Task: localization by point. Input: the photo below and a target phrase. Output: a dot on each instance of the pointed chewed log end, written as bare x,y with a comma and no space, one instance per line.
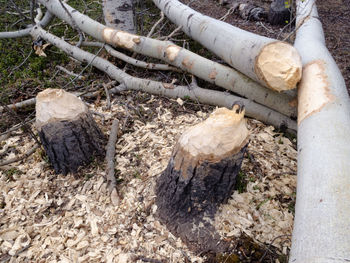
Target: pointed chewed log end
201,175
68,133
279,66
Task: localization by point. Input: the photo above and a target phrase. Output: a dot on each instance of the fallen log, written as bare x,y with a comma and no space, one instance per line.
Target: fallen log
67,131
212,97
190,62
201,175
321,228
272,63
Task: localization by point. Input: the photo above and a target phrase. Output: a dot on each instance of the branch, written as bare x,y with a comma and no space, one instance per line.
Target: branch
110,155
19,158
186,60
25,32
203,95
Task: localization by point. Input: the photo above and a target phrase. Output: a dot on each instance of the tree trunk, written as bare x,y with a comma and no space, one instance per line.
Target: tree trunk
279,13
272,63
67,130
119,14
322,216
201,175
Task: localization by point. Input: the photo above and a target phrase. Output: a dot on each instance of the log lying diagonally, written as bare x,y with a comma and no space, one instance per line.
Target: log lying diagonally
322,220
211,97
272,63
205,69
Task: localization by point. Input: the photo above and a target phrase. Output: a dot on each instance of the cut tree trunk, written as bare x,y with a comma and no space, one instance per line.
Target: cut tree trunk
69,134
119,14
272,63
212,97
182,58
322,213
279,13
201,175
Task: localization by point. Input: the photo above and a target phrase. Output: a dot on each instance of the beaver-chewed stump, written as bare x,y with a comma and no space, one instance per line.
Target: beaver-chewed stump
201,175
69,134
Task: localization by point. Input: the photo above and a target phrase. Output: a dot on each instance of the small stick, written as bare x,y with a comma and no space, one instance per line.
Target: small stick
19,158
110,156
108,97
156,24
70,73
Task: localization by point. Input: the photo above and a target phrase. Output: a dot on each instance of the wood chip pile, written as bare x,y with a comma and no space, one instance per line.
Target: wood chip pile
53,218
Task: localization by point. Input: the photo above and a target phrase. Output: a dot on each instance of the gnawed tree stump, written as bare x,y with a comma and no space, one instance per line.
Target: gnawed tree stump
201,174
67,131
280,12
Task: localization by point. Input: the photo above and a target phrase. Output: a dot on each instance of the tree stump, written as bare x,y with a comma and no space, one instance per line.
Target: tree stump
280,12
201,175
67,131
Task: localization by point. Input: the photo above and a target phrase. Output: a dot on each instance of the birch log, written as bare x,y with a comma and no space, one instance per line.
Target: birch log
322,220
272,63
206,96
119,14
203,68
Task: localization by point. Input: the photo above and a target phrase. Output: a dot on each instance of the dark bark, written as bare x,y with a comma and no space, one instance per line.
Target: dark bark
188,197
70,144
280,12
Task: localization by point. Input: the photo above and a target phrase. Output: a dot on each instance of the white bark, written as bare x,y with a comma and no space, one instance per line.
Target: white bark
322,221
25,32
212,97
272,63
203,68
119,14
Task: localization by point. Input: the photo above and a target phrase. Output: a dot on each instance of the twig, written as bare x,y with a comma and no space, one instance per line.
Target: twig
74,25
108,97
70,73
81,72
16,127
23,62
32,6
150,33
131,60
229,12
268,248
171,34
24,125
18,10
19,158
110,156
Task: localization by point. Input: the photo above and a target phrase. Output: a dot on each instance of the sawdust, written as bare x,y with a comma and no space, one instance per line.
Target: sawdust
54,218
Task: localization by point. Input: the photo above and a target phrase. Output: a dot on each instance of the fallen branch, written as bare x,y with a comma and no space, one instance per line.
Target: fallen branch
110,157
19,158
130,60
206,96
272,63
190,62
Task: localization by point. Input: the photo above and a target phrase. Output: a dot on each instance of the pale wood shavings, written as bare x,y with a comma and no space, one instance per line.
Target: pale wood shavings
73,219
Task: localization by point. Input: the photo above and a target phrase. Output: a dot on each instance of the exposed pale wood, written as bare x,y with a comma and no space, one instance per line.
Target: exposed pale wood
321,228
201,175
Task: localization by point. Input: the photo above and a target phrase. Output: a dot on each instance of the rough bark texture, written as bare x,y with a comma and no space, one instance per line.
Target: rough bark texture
70,144
119,14
201,175
187,206
279,13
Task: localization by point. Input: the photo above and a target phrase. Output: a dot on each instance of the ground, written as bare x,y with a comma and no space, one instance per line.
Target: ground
54,218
